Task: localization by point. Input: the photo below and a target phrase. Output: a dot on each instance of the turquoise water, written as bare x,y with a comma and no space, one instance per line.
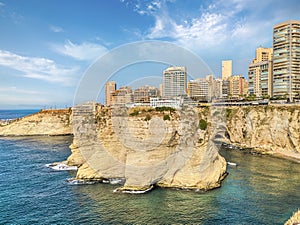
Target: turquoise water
261,190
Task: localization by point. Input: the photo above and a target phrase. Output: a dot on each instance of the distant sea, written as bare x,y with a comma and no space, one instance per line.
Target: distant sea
12,114
260,190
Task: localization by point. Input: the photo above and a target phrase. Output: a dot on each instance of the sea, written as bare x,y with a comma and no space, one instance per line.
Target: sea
260,190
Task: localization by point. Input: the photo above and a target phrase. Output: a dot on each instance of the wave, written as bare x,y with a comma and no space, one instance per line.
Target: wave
61,167
74,181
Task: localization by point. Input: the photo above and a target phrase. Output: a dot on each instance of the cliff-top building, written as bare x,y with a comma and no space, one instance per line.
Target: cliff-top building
143,94
286,59
122,96
110,87
260,73
238,86
174,81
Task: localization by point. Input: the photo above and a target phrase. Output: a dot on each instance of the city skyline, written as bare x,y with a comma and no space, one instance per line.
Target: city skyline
47,46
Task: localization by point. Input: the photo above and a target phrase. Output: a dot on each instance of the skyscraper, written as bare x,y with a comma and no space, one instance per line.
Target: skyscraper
174,81
226,69
286,59
260,73
110,88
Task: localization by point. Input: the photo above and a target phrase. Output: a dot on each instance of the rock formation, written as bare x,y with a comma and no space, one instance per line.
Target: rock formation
294,220
146,147
266,129
45,122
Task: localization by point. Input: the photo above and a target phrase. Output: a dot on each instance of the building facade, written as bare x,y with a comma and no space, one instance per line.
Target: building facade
260,73
174,82
143,94
198,89
226,69
110,87
286,59
122,96
238,86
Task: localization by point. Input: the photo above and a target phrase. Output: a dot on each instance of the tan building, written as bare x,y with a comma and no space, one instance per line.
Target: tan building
260,73
263,54
226,69
238,86
143,94
122,96
198,89
110,87
286,59
202,89
174,81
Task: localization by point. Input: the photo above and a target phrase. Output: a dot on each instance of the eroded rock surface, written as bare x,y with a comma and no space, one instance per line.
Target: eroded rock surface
147,148
267,129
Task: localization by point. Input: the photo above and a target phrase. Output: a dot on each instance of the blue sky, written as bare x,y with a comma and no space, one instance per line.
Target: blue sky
46,46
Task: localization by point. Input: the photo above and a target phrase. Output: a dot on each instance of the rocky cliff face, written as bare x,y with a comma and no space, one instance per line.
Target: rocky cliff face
267,129
146,147
45,122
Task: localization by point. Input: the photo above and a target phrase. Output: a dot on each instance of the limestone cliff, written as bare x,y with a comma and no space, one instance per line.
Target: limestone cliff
45,122
266,129
147,147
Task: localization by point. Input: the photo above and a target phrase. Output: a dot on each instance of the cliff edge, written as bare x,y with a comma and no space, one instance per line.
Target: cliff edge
268,129
45,122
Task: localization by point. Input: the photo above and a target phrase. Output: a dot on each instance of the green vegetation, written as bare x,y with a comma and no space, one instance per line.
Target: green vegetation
202,124
228,113
134,113
150,110
164,108
148,117
200,140
167,117
251,97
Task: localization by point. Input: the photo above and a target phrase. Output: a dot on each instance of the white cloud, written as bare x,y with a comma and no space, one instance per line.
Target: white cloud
37,68
206,30
86,51
56,29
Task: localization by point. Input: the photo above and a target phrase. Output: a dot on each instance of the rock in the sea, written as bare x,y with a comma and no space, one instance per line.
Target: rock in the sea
147,149
294,220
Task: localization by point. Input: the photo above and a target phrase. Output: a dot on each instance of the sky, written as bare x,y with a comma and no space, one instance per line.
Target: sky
47,46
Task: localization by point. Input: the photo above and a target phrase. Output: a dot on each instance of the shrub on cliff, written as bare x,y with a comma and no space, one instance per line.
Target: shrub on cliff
134,113
164,108
202,124
167,117
148,117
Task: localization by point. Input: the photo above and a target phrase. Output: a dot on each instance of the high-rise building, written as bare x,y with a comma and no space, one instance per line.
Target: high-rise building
110,88
218,88
286,59
238,86
226,69
198,89
260,73
174,81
